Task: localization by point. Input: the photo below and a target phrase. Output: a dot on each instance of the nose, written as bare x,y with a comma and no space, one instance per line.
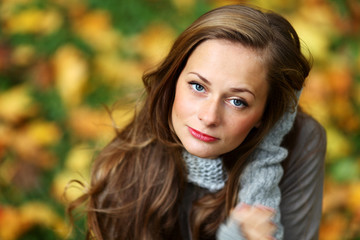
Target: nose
210,112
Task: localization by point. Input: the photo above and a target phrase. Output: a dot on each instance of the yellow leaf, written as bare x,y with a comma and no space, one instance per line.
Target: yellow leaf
276,5
338,145
116,71
79,159
95,28
42,214
34,21
38,212
220,3
155,43
71,74
184,5
15,3
314,36
63,190
16,104
68,3
51,22
319,110
43,133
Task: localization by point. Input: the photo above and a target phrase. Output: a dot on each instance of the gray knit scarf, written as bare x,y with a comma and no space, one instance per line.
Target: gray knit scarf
205,172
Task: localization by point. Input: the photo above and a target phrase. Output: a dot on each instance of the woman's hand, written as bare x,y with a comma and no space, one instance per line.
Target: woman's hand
255,221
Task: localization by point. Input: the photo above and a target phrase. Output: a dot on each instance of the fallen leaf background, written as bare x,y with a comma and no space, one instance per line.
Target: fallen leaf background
63,61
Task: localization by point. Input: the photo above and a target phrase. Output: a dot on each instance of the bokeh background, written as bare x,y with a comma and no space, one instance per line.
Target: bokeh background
65,63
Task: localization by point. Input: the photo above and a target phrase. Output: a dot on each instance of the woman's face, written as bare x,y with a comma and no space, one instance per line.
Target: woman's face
220,96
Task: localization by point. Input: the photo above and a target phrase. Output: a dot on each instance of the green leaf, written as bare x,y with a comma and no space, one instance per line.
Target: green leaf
344,170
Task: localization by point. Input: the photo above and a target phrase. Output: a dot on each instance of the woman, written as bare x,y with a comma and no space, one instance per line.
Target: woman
202,157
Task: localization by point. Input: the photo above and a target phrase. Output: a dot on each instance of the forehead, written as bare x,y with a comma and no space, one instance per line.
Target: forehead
259,52
228,59
213,48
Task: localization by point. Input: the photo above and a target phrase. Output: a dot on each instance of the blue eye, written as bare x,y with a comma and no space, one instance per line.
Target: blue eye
238,103
197,87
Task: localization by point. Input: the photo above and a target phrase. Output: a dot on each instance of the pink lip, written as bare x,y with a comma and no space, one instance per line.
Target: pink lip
202,136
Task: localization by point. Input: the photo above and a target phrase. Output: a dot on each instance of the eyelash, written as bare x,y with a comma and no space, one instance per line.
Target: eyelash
243,103
194,85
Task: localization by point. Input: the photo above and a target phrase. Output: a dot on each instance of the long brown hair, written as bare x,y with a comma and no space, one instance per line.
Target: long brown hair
138,179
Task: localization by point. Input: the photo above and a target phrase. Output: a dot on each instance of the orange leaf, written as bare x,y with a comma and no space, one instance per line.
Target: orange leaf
96,124
353,200
333,227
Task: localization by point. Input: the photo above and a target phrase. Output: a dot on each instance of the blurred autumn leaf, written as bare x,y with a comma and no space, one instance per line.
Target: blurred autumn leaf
62,61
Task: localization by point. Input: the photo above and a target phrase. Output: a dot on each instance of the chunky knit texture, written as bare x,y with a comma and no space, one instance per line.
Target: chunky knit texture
204,172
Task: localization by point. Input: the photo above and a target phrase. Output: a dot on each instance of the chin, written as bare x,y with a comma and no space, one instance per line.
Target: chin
202,153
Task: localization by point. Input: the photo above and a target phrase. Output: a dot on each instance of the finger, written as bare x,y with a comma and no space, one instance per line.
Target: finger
242,206
260,226
255,214
241,212
266,208
269,210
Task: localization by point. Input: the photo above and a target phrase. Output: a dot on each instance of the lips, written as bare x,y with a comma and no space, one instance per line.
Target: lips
202,136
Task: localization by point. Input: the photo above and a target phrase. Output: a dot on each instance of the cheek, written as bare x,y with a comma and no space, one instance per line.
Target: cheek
183,106
177,107
240,128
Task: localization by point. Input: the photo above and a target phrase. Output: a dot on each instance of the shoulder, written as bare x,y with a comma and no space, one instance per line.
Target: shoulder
306,134
307,125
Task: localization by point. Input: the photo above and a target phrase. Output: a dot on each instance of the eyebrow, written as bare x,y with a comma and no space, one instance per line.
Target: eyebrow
202,78
231,89
242,90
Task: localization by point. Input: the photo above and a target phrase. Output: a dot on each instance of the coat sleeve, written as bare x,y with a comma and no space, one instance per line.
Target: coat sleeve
302,183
